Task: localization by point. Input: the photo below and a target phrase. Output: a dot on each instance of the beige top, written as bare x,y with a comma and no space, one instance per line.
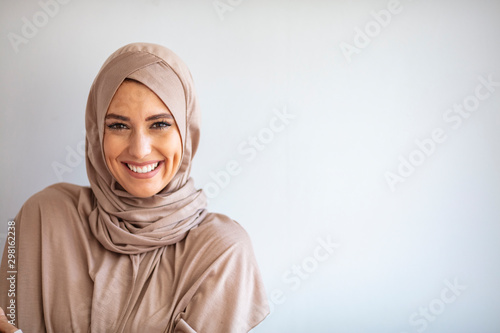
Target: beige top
100,260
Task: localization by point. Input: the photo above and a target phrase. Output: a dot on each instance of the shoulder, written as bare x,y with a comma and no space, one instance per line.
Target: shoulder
219,234
55,197
222,229
59,191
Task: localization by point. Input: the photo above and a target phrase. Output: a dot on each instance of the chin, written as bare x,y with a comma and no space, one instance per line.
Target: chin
141,191
144,188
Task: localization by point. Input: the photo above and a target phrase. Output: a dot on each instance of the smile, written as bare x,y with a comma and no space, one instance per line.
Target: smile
142,169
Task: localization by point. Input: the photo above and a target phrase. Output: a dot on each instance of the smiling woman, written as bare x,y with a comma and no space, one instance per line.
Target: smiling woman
142,143
137,251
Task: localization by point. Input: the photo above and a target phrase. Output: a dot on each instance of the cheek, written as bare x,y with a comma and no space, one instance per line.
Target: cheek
178,146
172,145
111,148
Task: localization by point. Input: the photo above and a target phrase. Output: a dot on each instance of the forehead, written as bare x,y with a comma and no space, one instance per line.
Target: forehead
132,95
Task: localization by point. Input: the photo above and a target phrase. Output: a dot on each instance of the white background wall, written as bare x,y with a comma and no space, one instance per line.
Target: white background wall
322,178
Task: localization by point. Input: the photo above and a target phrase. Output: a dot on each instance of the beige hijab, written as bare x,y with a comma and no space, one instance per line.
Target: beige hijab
121,222
100,260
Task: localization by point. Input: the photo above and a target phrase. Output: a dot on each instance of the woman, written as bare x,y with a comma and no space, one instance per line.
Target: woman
137,251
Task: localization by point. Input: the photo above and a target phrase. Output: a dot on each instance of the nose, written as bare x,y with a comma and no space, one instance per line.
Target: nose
139,145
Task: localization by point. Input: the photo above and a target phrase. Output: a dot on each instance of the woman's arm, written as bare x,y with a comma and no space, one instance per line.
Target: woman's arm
229,296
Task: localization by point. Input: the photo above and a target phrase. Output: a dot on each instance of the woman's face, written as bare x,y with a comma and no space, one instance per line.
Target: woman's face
142,144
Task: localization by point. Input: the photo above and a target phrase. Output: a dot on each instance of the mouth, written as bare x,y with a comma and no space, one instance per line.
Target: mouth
142,169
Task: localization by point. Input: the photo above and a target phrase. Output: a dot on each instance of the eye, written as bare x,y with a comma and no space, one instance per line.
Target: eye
117,126
161,125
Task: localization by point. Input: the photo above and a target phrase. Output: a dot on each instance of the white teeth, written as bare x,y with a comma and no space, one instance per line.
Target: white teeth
144,169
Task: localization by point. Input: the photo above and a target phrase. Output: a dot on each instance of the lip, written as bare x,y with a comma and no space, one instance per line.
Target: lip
146,175
143,163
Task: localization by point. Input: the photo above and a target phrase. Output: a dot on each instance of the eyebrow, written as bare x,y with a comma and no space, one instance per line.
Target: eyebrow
159,116
155,117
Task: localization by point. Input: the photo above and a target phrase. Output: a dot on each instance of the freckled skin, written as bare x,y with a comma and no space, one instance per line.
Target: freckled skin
138,140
